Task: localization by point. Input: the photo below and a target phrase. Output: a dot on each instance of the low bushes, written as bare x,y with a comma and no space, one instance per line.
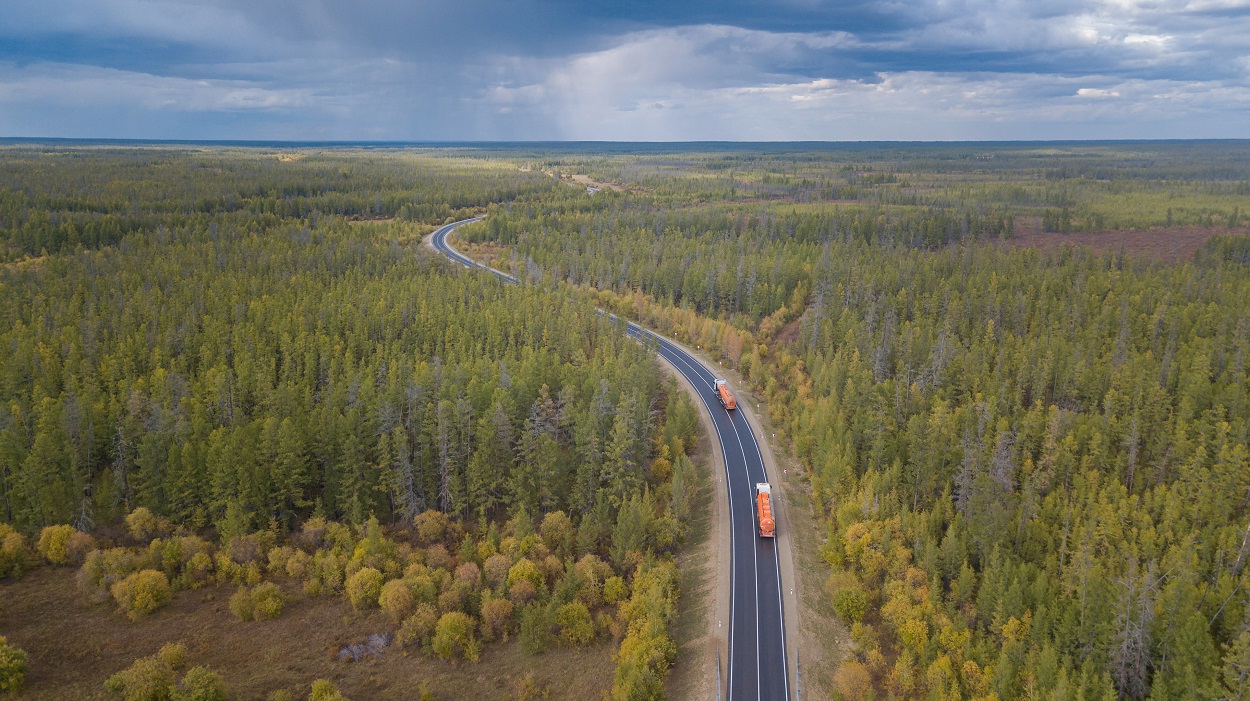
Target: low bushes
647,650
364,588
142,593
53,543
851,603
324,690
263,602
396,600
13,665
155,678
454,638
14,560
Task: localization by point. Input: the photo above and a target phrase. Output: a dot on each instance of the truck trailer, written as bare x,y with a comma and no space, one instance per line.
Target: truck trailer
764,510
724,395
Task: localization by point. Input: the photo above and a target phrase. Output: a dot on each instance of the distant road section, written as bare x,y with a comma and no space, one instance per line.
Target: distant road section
756,665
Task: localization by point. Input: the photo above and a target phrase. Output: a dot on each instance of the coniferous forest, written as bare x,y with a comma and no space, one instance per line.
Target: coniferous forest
265,352
1027,460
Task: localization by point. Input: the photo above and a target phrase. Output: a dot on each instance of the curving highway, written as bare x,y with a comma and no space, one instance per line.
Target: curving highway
756,665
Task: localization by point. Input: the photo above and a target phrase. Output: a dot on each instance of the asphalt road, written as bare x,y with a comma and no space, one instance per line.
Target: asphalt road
757,667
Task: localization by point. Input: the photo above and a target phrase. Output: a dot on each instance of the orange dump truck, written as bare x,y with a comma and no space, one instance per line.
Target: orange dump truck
764,510
724,395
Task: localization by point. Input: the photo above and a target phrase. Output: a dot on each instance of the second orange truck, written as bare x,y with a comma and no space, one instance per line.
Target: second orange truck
764,510
724,395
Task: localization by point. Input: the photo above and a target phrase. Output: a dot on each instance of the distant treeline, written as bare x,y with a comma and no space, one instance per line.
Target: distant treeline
56,200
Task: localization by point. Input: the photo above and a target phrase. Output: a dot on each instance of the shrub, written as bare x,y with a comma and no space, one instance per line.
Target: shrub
364,588
853,681
13,560
53,543
242,605
396,600
496,618
575,625
142,524
173,654
418,627
102,569
311,536
148,679
13,665
339,539
201,684
142,593
323,690
78,546
374,550
154,679
251,548
197,571
326,573
531,689
262,603
227,570
269,601
278,559
851,603
297,565
453,637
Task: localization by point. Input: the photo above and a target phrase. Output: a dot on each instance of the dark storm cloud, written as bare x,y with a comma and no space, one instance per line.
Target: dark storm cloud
797,69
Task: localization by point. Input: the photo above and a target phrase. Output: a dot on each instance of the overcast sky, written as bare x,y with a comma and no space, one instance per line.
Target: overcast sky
598,70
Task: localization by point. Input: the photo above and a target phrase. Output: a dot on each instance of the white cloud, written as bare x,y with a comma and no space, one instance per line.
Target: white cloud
674,85
418,69
1148,40
1096,93
1216,5
64,85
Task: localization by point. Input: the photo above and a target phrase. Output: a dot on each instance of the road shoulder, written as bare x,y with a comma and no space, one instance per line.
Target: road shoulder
703,617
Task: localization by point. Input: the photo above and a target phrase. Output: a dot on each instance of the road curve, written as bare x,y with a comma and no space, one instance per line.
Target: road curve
757,663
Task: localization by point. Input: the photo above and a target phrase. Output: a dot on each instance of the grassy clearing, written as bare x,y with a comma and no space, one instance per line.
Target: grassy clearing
74,646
